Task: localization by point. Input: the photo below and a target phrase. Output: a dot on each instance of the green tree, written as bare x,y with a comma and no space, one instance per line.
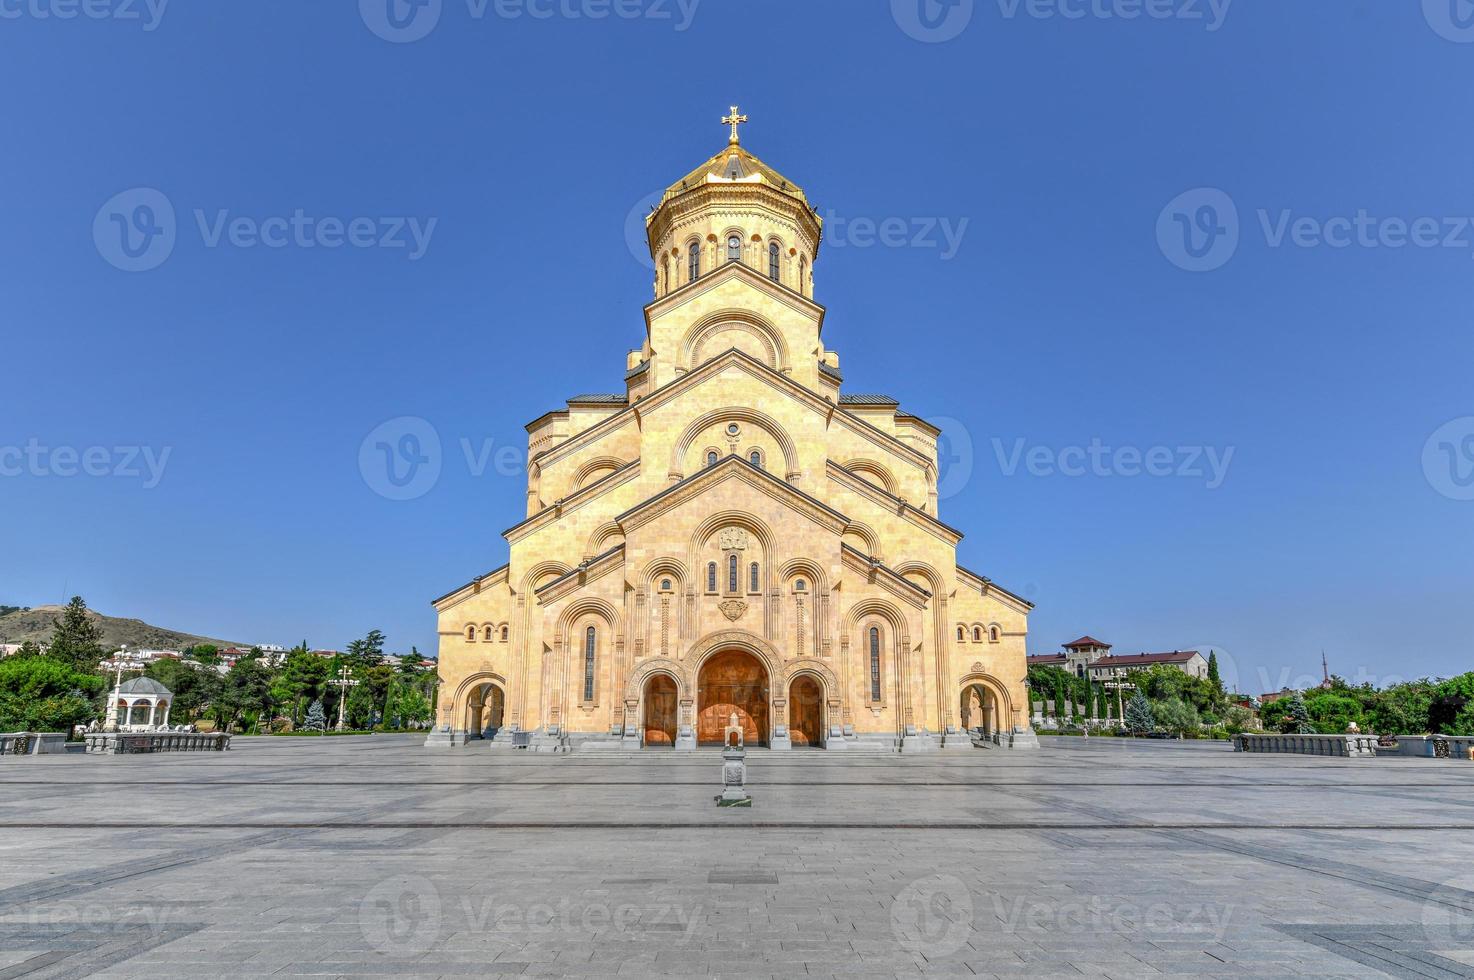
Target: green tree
1237,719
1139,720
76,639
413,706
1332,712
1402,709
46,694
316,720
1296,720
194,687
1176,716
360,707
1213,677
205,653
369,651
247,690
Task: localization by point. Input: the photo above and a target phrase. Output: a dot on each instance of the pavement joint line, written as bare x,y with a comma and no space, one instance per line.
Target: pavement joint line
753,824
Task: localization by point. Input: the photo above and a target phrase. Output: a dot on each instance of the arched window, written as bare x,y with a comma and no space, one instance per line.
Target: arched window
665,585
800,585
803,274
588,664
977,634
961,634
711,576
753,585
756,459
693,262
711,458
665,274
734,248
773,261
470,634
874,664
486,633
504,634
993,633
731,573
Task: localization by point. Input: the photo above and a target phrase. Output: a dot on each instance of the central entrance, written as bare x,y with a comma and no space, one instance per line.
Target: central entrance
732,681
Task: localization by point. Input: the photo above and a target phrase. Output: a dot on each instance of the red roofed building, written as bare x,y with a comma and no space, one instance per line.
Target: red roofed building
1089,657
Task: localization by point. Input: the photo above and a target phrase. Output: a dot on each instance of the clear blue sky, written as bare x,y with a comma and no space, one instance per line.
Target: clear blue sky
1062,317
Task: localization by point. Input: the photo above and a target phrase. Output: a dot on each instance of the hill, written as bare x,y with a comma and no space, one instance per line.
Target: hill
20,625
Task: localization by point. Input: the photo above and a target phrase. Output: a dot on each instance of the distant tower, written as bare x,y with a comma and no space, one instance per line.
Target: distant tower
1325,672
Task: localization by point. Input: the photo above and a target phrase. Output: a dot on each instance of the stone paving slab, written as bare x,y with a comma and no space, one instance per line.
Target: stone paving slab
378,857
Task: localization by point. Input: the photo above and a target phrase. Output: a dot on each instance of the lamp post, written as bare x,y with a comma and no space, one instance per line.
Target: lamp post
343,683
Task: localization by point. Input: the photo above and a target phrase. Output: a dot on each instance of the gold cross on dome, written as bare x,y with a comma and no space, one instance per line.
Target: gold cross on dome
734,120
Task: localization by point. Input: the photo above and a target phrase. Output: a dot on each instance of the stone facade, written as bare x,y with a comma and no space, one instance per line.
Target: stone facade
732,533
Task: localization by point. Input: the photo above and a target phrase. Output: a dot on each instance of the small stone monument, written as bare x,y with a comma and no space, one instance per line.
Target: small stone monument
734,767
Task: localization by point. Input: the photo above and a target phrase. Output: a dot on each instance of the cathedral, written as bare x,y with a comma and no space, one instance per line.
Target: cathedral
733,533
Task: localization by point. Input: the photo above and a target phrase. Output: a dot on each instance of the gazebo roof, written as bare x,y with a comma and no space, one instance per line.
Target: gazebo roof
145,685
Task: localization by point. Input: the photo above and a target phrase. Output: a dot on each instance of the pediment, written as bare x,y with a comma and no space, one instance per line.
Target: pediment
760,484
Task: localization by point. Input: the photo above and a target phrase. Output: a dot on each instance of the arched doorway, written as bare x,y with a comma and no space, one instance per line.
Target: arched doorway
805,712
979,710
660,711
732,682
485,706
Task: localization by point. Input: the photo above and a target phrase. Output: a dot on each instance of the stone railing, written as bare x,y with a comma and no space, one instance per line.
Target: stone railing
32,743
1343,746
1435,746
129,743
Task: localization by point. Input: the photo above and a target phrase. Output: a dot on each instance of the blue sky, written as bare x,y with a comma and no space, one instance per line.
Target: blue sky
1060,315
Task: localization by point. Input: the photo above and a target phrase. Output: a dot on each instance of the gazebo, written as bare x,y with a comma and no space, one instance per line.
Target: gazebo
139,705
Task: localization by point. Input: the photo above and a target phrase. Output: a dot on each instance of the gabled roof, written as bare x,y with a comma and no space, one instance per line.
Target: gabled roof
1087,641
862,399
610,399
1045,660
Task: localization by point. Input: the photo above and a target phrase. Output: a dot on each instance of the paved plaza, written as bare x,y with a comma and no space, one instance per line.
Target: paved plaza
375,856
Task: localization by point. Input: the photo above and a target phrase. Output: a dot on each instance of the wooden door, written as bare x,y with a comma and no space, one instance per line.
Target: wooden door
805,712
732,682
660,711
